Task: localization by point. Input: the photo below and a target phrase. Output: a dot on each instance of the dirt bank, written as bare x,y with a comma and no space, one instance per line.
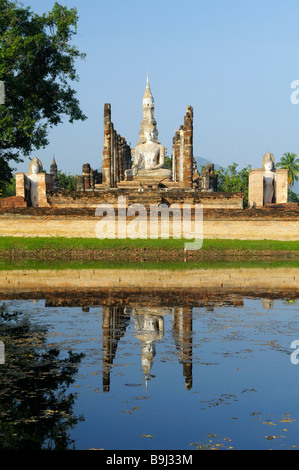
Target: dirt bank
147,255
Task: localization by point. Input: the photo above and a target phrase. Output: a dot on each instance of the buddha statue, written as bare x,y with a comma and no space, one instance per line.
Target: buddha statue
269,177
149,157
35,167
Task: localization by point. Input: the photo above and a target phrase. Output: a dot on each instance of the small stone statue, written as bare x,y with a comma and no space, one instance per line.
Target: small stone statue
269,178
208,179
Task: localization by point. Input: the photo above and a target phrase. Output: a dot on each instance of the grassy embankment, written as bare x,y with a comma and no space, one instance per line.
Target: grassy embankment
76,253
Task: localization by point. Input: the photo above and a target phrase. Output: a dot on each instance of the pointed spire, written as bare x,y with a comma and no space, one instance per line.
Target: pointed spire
148,93
53,161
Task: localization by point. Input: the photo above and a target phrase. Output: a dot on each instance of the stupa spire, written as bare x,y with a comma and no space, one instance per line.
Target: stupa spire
148,110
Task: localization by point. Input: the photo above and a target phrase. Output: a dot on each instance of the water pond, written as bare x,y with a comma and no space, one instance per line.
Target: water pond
217,375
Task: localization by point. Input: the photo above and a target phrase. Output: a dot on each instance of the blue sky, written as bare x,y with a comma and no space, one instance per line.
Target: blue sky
232,60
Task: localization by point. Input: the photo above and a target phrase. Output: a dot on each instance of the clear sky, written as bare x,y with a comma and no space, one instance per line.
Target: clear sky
232,60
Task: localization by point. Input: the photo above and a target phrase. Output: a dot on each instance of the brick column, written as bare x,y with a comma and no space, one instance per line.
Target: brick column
281,187
80,183
20,184
256,188
188,148
106,164
42,190
86,175
175,157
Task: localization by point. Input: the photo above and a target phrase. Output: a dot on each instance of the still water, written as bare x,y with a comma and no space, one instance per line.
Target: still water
221,375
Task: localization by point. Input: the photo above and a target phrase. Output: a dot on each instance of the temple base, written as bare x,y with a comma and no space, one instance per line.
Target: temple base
149,179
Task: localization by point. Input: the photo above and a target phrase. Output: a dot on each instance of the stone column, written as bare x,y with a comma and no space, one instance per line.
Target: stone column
106,164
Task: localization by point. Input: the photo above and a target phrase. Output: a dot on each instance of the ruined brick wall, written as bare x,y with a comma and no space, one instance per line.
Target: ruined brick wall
92,199
116,153
13,201
182,152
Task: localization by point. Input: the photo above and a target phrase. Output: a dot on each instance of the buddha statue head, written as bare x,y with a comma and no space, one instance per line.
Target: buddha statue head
268,162
35,166
150,134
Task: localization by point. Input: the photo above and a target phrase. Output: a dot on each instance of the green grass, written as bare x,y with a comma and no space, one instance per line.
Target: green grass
60,243
6,265
45,243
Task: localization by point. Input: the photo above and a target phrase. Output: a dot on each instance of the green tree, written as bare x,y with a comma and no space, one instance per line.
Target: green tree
67,182
231,180
37,65
290,162
168,162
293,197
9,188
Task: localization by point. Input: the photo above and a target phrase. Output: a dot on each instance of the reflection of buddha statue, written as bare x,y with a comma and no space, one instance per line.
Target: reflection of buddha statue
269,178
149,329
268,304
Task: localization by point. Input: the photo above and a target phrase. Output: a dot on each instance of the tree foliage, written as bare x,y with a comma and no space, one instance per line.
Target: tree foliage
231,180
67,182
290,162
37,65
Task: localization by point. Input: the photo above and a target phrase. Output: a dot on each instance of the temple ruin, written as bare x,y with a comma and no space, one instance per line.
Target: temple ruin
142,175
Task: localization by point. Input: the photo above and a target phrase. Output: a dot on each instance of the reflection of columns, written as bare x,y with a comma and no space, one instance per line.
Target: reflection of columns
114,325
182,332
268,304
